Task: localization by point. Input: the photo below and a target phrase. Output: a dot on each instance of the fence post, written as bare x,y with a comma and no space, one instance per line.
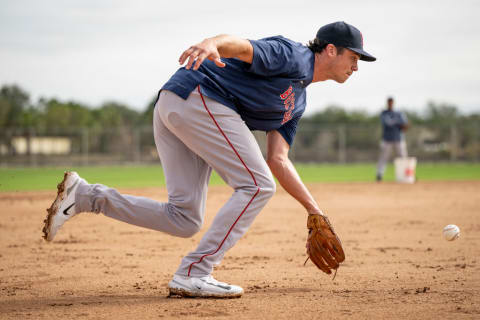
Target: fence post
85,146
453,142
30,152
342,144
136,145
477,141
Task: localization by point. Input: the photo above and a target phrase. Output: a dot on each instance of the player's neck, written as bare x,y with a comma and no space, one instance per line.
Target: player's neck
320,69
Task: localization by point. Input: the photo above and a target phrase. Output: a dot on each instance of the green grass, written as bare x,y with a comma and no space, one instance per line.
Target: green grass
366,172
30,179
24,179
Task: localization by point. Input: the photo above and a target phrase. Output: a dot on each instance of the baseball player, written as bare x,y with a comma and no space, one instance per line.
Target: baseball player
394,123
202,121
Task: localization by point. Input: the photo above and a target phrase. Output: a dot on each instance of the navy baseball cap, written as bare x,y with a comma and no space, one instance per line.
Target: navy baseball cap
342,34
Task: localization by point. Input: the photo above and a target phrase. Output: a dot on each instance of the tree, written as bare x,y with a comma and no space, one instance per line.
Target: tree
112,114
13,101
146,117
441,114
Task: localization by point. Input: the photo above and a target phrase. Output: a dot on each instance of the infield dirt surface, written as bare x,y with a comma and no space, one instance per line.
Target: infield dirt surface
397,263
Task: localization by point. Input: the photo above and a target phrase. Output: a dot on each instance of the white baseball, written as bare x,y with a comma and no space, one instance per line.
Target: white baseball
451,232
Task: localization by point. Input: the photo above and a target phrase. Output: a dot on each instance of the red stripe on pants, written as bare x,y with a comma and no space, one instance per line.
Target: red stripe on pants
251,174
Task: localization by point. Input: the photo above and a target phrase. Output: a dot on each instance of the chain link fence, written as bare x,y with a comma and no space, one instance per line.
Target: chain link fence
334,144
346,144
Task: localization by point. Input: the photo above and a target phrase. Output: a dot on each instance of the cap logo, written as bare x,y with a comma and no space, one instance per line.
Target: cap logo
361,36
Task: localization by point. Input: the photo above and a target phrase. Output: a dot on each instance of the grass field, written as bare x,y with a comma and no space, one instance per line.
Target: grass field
30,179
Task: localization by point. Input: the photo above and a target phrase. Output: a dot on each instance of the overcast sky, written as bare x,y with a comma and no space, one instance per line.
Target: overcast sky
92,51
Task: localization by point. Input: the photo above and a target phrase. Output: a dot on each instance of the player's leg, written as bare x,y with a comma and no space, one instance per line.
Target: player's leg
186,176
385,150
401,148
221,138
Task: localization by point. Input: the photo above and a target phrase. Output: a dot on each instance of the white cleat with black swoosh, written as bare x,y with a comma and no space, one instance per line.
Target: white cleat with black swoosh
63,208
205,287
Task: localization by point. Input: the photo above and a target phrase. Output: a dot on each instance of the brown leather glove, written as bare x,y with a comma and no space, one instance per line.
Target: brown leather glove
323,245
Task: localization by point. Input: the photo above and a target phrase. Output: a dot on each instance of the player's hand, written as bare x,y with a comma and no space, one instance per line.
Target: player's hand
323,245
207,49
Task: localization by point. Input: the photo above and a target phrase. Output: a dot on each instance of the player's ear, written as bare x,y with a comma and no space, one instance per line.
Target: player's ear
331,50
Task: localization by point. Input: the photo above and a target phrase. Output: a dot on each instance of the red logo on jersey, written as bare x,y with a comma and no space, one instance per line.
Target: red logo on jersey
288,98
286,93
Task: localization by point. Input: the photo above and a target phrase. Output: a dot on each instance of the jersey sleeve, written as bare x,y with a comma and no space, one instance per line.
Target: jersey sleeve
278,56
387,120
289,129
403,118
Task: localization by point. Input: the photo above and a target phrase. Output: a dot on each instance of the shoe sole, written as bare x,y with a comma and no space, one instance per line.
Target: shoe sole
187,294
54,208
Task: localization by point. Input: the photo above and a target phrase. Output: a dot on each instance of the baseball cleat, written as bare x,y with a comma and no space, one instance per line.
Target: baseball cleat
63,208
205,287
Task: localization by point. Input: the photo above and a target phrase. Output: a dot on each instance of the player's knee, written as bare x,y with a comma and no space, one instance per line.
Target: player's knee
186,220
268,187
189,230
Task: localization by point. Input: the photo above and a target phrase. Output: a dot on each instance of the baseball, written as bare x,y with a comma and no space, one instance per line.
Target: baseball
451,232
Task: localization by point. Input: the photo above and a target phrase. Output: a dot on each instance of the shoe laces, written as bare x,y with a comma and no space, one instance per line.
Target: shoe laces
212,280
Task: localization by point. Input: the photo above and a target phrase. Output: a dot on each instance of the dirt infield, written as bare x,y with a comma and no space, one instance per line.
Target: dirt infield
397,264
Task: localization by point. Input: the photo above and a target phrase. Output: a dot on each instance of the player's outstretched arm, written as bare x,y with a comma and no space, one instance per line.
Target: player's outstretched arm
323,245
225,46
285,172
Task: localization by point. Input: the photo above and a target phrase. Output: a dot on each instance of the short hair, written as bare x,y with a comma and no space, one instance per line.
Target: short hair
316,46
390,99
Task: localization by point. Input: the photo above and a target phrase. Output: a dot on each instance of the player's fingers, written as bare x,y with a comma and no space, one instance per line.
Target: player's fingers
191,59
215,57
199,61
185,55
219,62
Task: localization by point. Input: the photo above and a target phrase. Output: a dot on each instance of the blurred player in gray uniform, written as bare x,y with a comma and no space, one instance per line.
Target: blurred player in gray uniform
394,123
202,122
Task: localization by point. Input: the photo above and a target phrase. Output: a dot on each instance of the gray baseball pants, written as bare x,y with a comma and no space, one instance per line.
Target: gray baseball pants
385,152
193,137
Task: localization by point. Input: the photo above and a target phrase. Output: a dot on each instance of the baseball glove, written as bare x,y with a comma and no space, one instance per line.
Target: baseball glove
323,245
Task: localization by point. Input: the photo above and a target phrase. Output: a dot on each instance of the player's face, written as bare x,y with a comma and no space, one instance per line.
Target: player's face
390,104
344,65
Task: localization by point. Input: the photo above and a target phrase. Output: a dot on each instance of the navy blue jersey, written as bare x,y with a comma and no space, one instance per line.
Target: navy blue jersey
392,122
269,94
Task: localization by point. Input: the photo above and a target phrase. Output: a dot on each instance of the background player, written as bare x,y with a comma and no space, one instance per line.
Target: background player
202,121
394,123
